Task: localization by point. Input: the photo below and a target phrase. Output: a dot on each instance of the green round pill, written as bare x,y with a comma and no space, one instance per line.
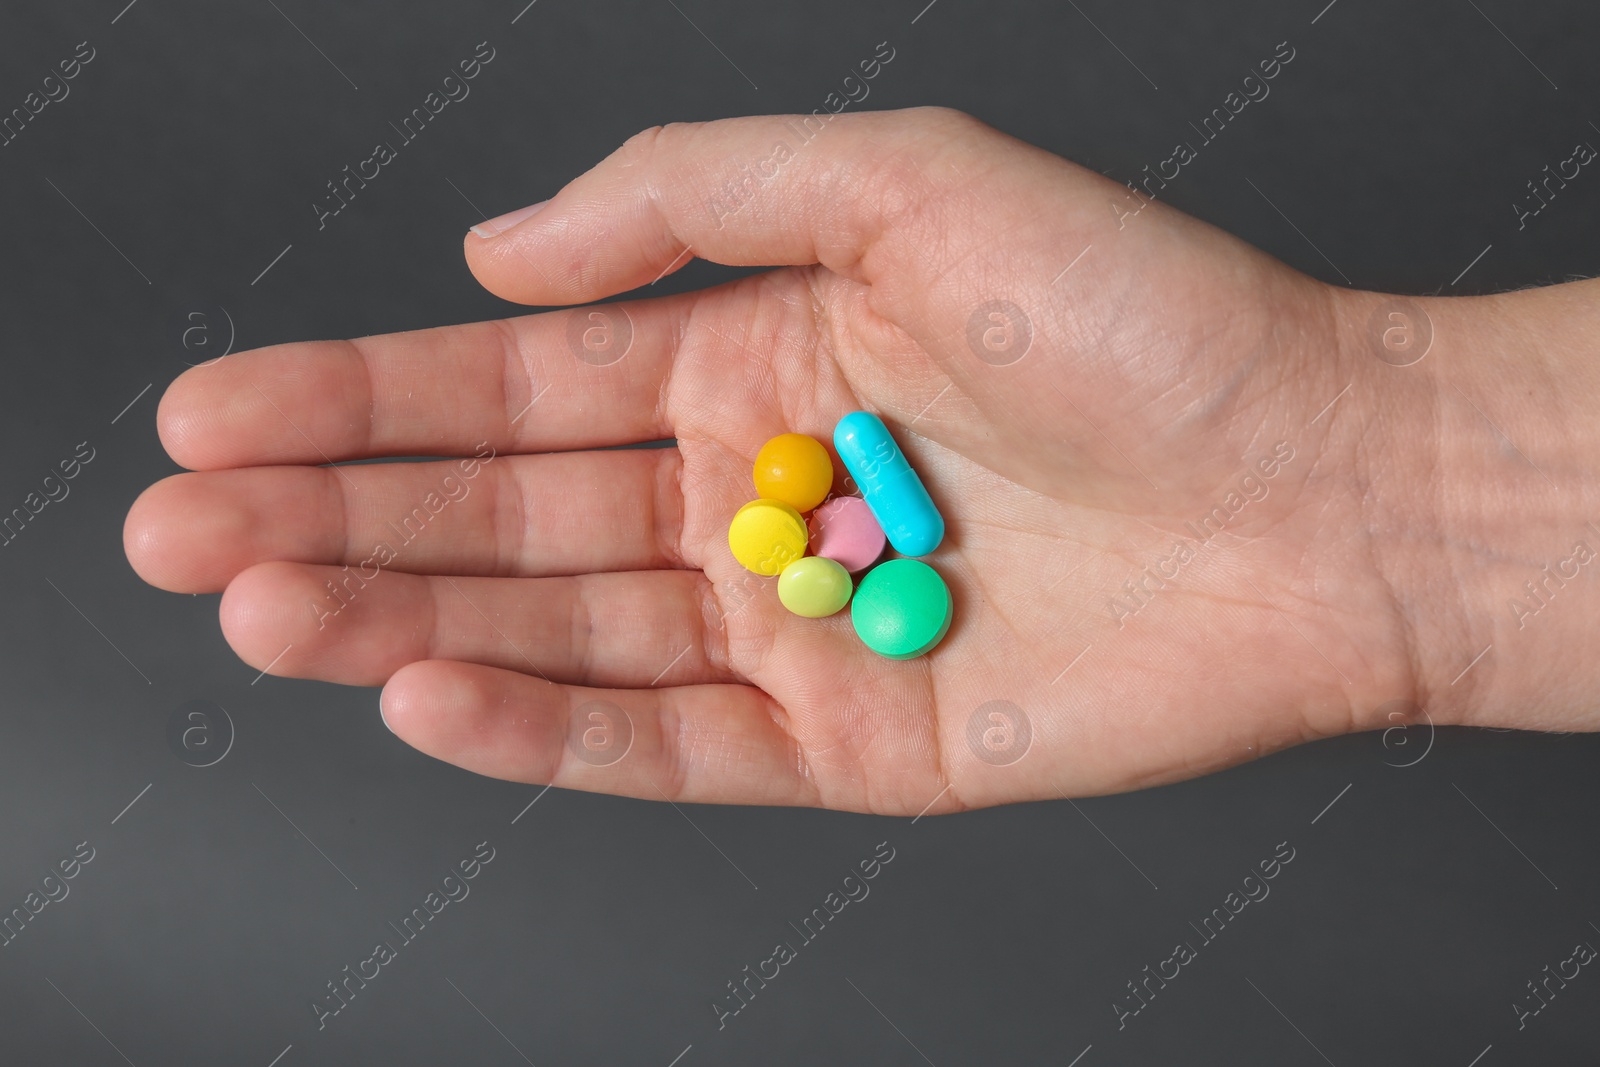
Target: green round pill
901,608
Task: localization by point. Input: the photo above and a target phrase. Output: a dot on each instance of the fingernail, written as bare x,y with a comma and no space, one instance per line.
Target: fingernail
384,717
501,223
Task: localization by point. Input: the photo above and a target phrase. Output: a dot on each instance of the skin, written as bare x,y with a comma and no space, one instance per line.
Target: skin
1168,362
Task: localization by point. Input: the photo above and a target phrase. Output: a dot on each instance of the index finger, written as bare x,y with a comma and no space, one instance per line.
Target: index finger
581,378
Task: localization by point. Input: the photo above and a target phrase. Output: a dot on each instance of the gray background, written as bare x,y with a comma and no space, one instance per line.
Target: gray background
186,158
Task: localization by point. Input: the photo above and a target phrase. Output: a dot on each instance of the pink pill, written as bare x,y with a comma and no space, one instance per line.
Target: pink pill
844,531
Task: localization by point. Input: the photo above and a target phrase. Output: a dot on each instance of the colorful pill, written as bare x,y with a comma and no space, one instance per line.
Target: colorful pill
901,609
795,469
888,484
814,587
766,536
844,530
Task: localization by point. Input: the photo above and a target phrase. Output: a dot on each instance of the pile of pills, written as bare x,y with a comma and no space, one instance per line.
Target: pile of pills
901,607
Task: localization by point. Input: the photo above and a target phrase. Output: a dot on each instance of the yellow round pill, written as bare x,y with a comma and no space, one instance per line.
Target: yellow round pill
795,469
814,586
767,535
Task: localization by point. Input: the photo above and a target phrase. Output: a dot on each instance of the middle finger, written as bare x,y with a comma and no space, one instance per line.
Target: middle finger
519,516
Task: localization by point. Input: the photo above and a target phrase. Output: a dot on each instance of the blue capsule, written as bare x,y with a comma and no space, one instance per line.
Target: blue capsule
890,487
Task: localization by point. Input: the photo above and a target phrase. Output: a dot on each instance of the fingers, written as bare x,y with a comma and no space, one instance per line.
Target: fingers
638,628
698,743
749,191
568,513
538,383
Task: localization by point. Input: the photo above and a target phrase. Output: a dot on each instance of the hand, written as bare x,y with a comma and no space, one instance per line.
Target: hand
1166,549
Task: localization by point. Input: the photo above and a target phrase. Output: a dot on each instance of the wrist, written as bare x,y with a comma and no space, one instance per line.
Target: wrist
1479,452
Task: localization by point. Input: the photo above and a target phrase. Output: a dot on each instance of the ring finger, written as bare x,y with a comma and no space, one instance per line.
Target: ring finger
622,630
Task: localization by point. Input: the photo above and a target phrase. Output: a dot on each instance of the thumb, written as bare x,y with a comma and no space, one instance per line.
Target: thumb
857,193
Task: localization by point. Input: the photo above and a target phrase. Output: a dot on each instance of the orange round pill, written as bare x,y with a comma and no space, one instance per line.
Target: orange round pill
795,469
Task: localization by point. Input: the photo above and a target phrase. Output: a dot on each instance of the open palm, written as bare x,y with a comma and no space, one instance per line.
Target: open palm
1123,414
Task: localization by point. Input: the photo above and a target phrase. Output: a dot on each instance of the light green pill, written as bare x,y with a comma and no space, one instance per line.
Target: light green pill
901,608
814,586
